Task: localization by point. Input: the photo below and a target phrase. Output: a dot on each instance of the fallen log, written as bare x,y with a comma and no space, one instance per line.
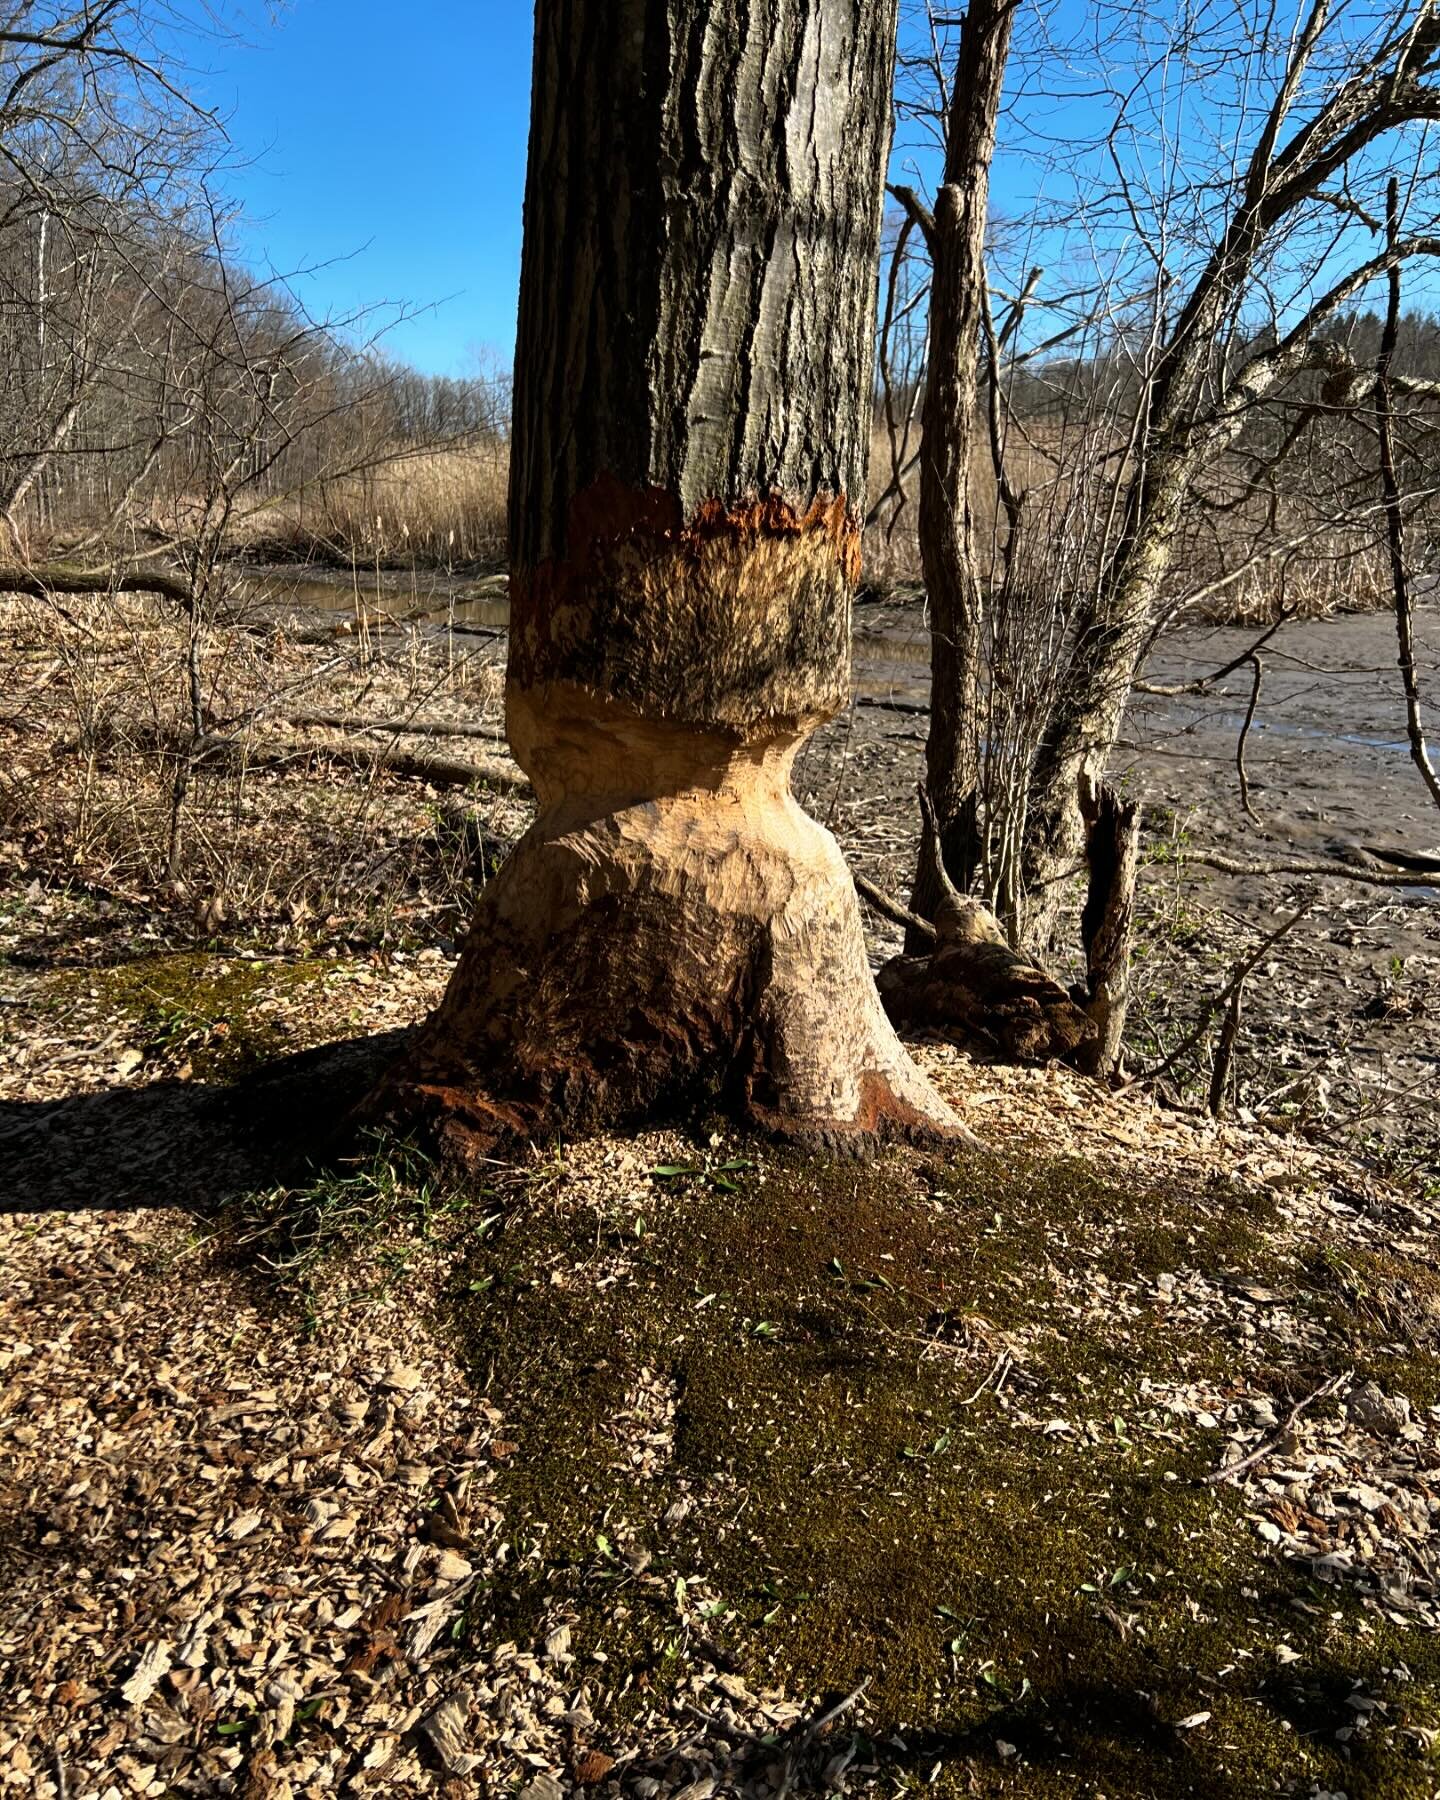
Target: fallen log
343,721
439,771
43,580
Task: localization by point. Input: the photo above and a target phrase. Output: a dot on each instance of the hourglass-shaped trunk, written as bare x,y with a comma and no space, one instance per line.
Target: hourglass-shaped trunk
692,412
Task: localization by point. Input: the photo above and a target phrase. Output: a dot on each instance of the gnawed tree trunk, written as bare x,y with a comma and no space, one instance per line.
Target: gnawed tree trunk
692,411
949,553
1107,922
973,986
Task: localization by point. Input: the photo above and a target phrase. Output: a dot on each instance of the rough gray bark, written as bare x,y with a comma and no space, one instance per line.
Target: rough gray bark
1112,639
955,236
693,396
693,368
1106,924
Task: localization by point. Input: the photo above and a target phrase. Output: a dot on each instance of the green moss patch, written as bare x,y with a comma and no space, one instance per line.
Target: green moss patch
895,1425
220,1015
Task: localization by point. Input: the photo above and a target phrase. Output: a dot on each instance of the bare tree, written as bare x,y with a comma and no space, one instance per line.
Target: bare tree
1248,271
954,234
1214,238
100,151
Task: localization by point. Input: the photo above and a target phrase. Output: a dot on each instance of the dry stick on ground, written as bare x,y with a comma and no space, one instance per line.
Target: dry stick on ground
916,708
224,729
892,909
1203,683
1229,865
1227,993
443,771
812,1731
1250,811
342,721
1394,516
1232,1471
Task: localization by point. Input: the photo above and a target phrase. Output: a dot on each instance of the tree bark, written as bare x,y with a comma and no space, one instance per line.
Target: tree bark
692,412
1111,642
1395,511
951,417
1107,923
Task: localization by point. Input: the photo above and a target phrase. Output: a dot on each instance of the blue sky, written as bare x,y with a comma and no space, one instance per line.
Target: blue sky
390,161
393,138
387,154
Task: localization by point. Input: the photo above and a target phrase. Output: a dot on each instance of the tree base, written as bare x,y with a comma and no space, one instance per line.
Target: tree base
638,956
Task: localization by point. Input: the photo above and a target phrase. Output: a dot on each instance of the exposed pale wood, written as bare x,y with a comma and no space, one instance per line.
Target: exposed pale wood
671,902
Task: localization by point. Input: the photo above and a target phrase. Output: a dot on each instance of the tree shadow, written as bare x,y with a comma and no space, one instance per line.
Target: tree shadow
186,1144
1121,1742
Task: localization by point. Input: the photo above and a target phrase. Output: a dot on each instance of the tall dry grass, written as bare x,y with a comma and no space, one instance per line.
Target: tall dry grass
437,509
1295,553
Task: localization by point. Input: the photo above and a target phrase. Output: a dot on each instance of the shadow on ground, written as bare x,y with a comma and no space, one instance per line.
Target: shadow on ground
185,1144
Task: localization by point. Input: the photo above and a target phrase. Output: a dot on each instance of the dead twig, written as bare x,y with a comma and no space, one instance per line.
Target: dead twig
1229,865
1232,1471
1203,683
806,1737
998,1370
440,771
1228,992
892,909
1259,667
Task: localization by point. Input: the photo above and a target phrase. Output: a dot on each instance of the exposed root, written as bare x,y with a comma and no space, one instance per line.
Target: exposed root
972,985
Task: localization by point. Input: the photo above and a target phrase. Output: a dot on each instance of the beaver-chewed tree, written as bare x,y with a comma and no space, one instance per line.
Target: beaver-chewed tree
692,410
